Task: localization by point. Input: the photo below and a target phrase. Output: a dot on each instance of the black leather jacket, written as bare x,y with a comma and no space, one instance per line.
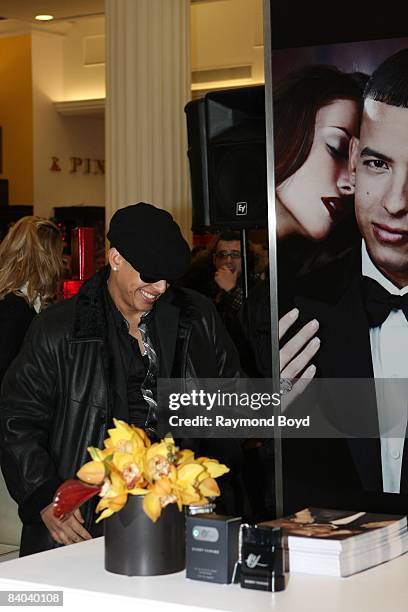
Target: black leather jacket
56,395
15,318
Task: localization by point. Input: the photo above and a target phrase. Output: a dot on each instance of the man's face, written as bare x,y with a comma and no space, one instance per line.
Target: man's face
228,254
379,167
130,292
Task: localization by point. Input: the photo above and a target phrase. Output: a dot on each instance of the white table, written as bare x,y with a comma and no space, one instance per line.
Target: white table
79,571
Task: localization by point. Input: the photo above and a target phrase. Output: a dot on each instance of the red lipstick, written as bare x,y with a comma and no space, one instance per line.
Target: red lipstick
335,206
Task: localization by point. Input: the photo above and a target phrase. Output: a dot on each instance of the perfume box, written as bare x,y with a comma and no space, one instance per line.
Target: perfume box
264,558
211,547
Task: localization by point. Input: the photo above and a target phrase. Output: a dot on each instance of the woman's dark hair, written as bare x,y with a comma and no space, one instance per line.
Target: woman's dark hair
297,99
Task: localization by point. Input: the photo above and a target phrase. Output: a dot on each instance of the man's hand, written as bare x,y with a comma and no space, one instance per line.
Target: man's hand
68,530
225,278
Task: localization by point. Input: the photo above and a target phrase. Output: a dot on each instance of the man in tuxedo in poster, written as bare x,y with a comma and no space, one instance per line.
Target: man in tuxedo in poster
361,303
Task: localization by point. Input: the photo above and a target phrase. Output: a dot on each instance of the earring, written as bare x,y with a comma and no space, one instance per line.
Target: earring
115,269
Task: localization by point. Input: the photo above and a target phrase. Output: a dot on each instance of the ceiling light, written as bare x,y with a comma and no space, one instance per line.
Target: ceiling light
44,17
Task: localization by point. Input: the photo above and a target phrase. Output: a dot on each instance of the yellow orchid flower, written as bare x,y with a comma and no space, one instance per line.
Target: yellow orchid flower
122,426
138,491
113,494
113,485
92,472
160,495
98,454
139,435
110,505
209,488
131,465
213,467
185,485
121,430
186,495
167,448
152,506
158,448
125,438
142,435
157,461
172,449
184,456
165,492
189,472
119,443
121,460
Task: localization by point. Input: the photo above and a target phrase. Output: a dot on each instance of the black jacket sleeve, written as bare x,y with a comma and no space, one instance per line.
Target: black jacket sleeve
15,318
210,339
26,413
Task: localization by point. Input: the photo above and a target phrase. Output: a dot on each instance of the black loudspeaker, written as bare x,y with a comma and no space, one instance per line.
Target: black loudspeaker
227,154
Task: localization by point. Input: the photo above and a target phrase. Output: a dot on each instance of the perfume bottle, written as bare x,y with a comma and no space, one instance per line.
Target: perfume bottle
264,558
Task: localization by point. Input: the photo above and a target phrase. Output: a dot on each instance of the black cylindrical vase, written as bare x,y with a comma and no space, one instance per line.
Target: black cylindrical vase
135,546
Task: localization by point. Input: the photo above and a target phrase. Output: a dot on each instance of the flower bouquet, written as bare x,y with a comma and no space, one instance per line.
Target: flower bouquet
143,488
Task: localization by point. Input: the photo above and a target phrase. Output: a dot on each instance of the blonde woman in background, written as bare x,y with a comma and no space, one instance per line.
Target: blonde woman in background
30,268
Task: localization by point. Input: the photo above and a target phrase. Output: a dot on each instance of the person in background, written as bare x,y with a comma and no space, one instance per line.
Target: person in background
227,260
216,270
30,269
217,273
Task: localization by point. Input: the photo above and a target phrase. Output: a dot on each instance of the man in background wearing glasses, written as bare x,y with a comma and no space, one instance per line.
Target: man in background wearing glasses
227,277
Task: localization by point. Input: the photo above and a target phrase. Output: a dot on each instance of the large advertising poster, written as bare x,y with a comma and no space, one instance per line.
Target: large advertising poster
340,115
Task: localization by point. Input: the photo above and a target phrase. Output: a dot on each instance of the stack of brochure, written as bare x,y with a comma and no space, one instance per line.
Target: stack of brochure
341,542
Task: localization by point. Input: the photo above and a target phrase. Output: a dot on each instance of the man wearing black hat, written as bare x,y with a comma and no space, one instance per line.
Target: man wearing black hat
98,356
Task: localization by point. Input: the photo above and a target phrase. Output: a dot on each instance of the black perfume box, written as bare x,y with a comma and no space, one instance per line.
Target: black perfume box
264,558
211,547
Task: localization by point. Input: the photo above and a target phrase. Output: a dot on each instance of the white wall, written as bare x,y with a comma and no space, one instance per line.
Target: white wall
61,136
84,59
69,64
226,36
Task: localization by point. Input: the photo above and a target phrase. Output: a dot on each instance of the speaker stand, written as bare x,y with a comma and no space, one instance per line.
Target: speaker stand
244,259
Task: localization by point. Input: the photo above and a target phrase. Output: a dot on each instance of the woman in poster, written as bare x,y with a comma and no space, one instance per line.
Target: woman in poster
316,112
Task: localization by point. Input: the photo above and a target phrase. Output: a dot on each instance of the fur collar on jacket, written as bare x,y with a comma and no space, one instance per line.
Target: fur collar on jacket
90,316
89,313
